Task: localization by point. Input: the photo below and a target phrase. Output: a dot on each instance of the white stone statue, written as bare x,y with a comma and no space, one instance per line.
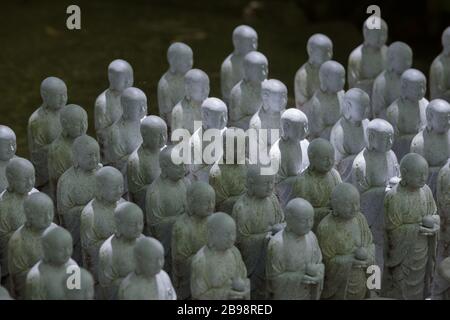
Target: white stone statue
440,71
8,147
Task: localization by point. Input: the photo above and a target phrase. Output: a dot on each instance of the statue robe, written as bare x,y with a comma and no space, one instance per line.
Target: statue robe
386,88
231,72
170,92
305,84
59,160
245,100
3,180
325,112
440,78
135,287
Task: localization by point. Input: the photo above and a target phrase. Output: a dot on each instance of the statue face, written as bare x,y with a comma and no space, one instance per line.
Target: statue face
197,90
173,171
244,45
301,223
88,158
203,206
294,130
380,141
440,122
131,228
8,148
222,238
58,252
150,263
113,192
75,129
181,60
332,77
354,110
319,54
261,186
23,182
55,99
40,219
120,79
322,160
213,118
256,72
154,138
346,207
413,90
274,101
399,60
416,177
375,37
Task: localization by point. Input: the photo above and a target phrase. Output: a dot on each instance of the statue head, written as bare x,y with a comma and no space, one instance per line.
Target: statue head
134,104
331,76
54,93
214,113
319,48
154,132
120,75
234,137
113,179
399,57
129,220
86,290
299,215
345,201
169,169
245,39
356,105
258,185
85,153
39,211
380,135
413,85
413,171
221,231
438,116
375,38
274,95
294,125
8,145
148,256
74,121
321,155
201,199
20,175
196,85
255,67
446,41
57,246
180,58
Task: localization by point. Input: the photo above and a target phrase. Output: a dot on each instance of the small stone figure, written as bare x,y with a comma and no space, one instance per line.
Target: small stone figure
348,135
188,110
8,149
148,281
294,262
245,97
440,70
44,127
346,243
86,289
116,255
412,227
143,164
258,214
407,113
25,245
171,84
320,50
218,272
386,87
76,187
245,40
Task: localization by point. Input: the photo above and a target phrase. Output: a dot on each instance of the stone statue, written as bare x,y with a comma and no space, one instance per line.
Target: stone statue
412,228
443,270
189,235
44,126
76,187
294,265
116,255
245,40
45,280
374,169
21,176
440,70
218,271
171,84
320,50
147,281
143,164
4,294
245,97
407,113
347,247
386,87
8,149
25,245
108,108
348,135
188,110
324,109
86,289
74,123
316,183
258,215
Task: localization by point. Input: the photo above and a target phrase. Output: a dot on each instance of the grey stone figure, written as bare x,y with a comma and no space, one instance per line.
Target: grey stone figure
386,87
440,70
85,291
258,215
433,142
108,108
116,255
44,127
76,187
171,84
347,247
218,271
143,164
188,110
412,229
8,147
374,169
245,97
407,113
348,135
324,109
46,279
25,245
245,40
74,123
189,235
320,50
148,281
4,294
294,265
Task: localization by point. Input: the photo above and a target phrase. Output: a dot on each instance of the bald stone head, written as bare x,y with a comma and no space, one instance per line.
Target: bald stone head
180,58
149,257
399,57
86,289
438,116
294,125
345,201
201,199
57,246
129,221
20,175
321,155
331,77
299,215
274,95
320,49
446,41
259,185
221,231
86,153
245,39
414,171
74,121
214,114
120,75
39,211
375,38
154,132
356,105
134,104
256,67
113,179
380,135
8,145
196,85
169,168
413,85
54,93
